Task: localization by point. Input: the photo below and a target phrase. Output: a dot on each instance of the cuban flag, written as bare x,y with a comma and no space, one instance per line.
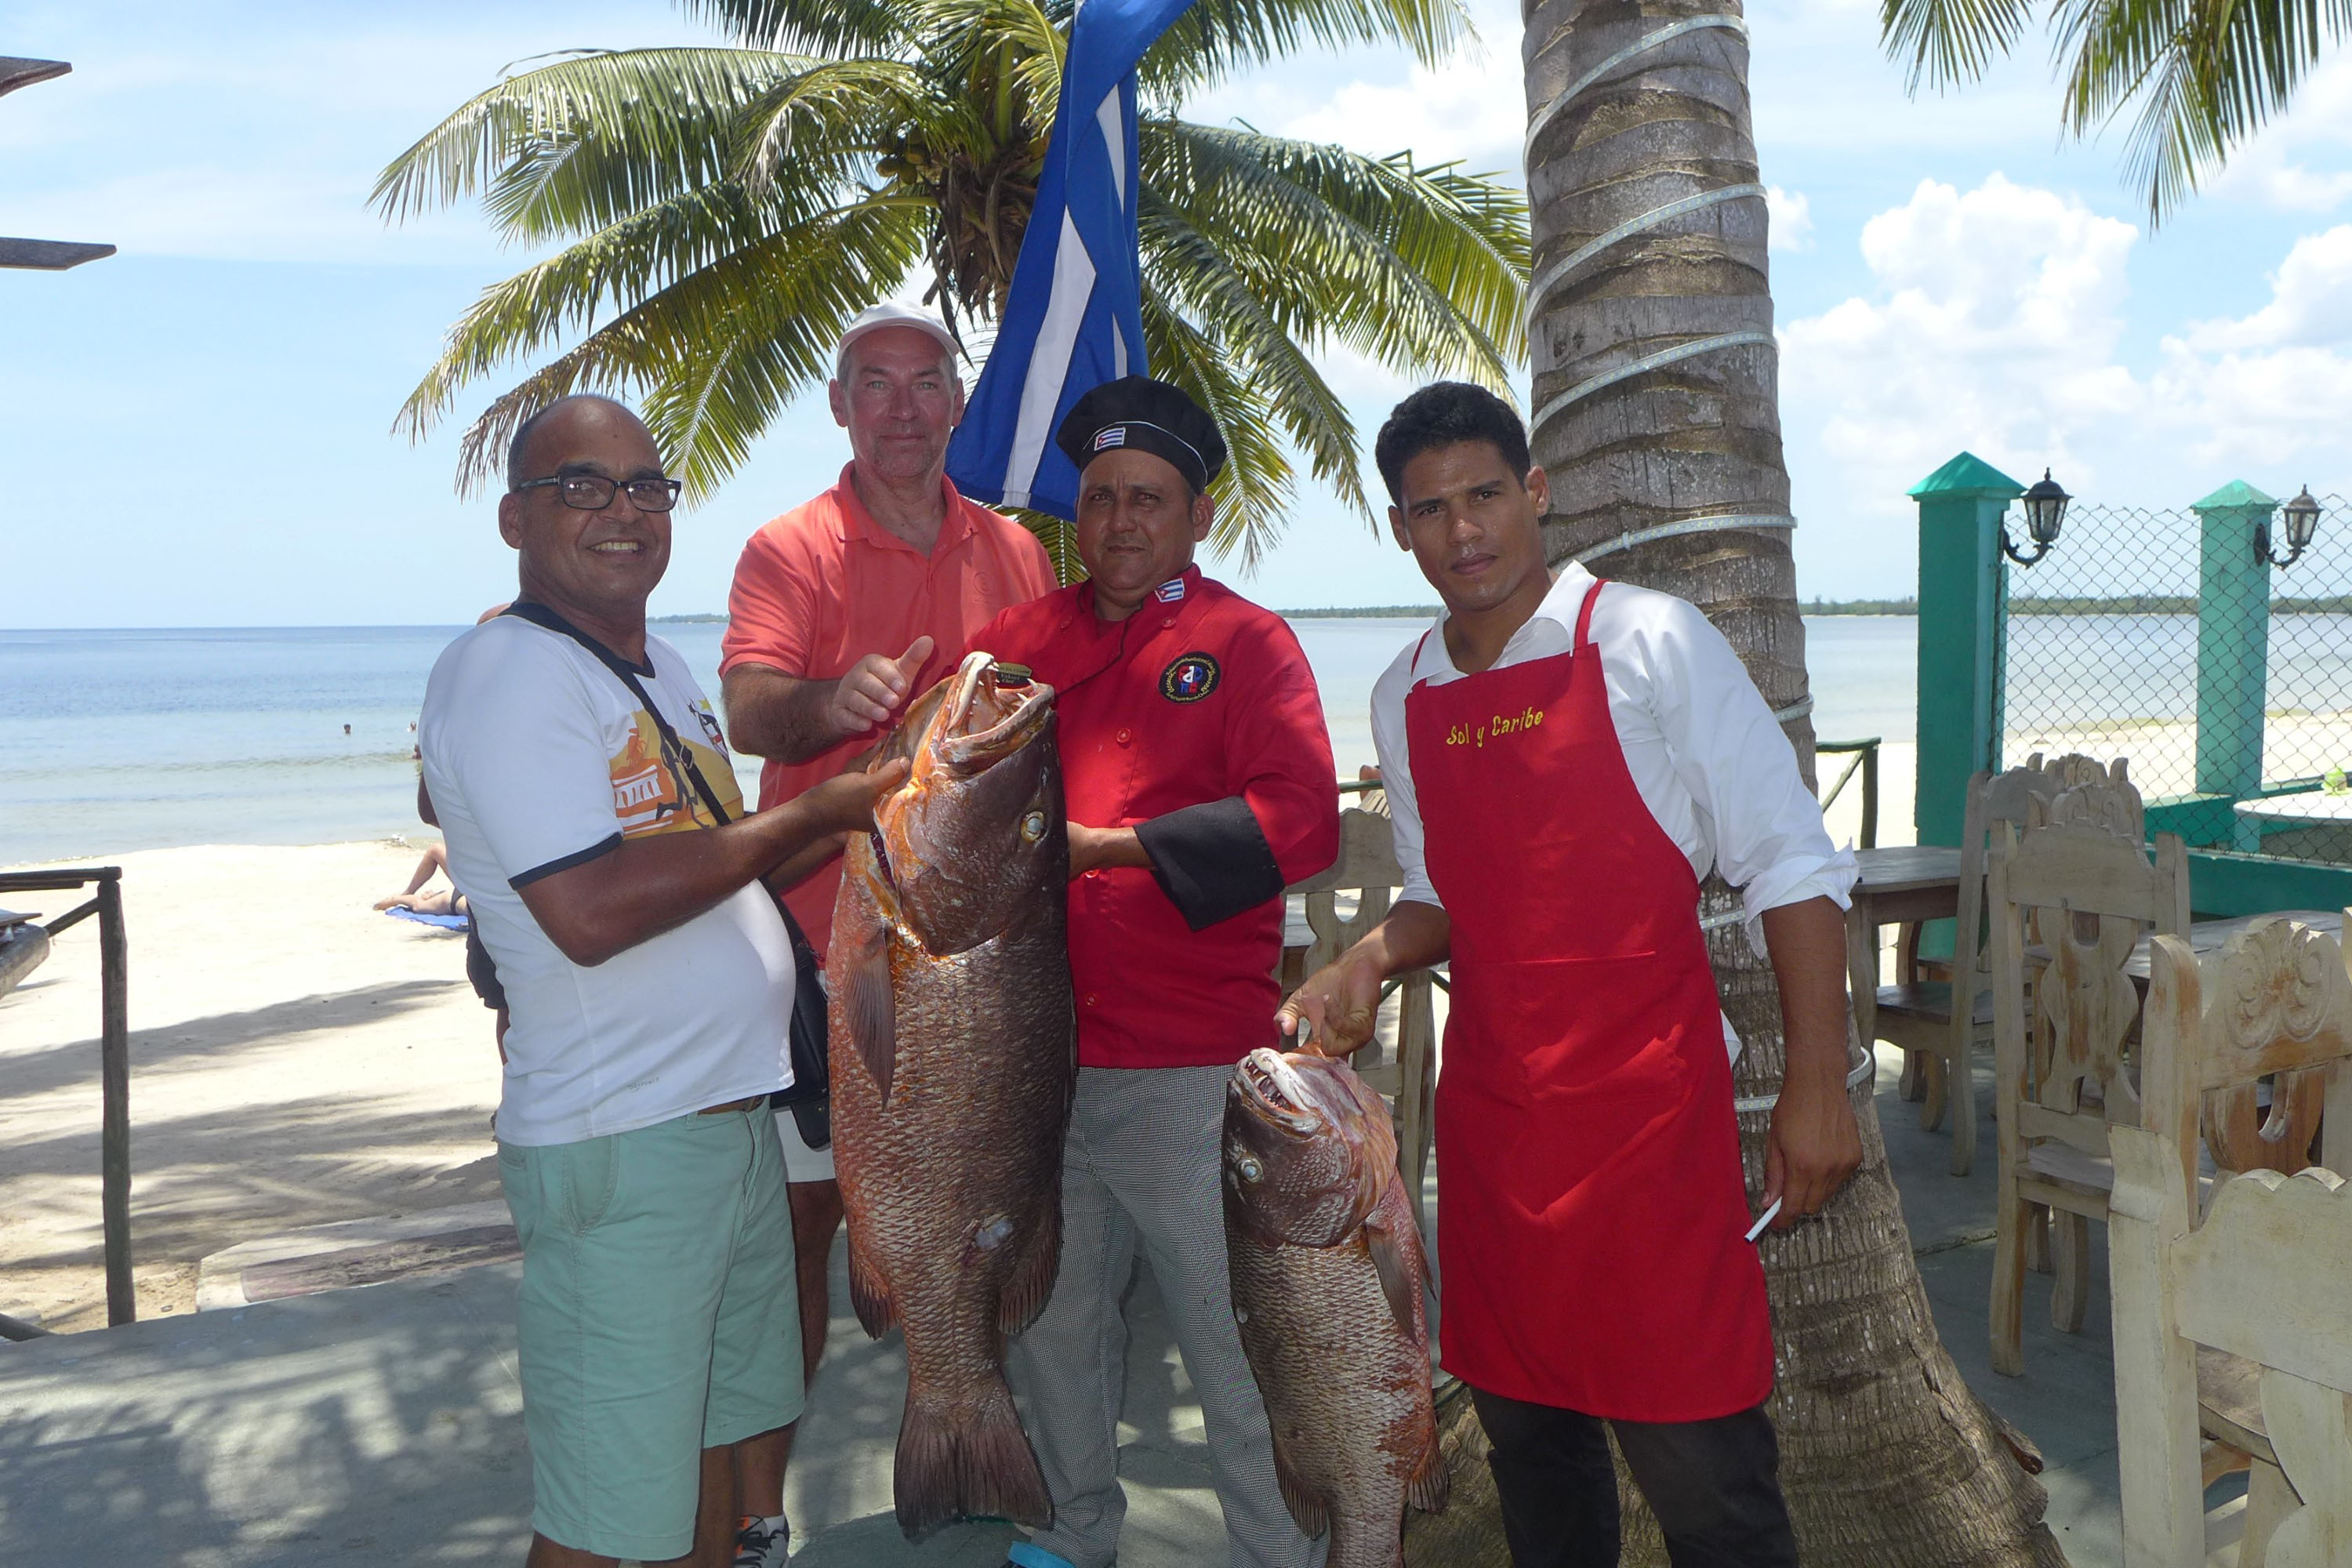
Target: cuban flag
1073,317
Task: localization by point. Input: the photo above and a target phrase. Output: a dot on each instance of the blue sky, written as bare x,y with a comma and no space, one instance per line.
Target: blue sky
207,415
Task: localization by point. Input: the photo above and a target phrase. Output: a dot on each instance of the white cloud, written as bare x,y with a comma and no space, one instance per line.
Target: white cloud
1791,213
1995,328
1996,325
2311,302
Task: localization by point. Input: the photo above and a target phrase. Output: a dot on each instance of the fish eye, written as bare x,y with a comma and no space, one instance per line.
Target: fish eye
1033,827
1249,1168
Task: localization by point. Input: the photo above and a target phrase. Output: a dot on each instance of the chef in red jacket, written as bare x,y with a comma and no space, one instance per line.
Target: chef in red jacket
1199,779
1565,760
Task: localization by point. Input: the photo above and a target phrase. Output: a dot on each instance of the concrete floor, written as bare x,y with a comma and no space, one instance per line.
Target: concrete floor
382,1425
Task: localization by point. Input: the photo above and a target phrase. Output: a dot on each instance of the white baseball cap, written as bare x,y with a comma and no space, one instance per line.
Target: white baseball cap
890,313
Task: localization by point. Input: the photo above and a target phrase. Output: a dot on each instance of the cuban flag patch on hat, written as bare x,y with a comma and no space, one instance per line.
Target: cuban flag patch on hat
1170,591
1110,436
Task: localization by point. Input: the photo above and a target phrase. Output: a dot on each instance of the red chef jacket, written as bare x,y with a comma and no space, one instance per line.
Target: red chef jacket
1199,698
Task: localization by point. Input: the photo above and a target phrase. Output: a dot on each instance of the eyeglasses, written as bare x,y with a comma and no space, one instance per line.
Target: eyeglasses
594,493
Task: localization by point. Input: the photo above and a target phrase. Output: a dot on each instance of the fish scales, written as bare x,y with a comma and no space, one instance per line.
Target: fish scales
949,1133
1336,1336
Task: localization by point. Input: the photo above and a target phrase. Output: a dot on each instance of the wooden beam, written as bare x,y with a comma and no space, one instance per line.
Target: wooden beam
49,254
15,72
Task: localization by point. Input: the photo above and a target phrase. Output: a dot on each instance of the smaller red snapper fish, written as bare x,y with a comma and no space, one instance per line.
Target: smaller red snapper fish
1328,1274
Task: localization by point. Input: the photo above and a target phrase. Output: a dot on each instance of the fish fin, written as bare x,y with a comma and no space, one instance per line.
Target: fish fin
871,1015
1026,1292
966,1457
1399,1272
1313,1516
1427,1488
867,1293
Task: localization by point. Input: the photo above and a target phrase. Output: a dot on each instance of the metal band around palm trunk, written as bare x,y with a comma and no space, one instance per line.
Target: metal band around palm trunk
1632,226
1682,351
1640,45
1687,525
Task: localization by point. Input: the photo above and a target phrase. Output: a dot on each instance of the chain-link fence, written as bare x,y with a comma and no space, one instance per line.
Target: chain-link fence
2156,636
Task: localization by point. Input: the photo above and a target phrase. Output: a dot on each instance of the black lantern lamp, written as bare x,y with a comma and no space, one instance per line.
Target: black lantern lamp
2045,511
2302,521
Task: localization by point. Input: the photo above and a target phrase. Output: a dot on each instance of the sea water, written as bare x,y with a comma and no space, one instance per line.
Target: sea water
114,741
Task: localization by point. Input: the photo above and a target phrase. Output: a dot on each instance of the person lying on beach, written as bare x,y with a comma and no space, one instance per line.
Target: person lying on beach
446,900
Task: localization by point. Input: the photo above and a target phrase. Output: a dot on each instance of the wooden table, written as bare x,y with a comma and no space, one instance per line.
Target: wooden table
2211,936
1899,883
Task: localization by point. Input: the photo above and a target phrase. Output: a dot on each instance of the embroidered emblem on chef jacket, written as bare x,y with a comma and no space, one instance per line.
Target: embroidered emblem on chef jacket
1170,591
1190,678
1110,436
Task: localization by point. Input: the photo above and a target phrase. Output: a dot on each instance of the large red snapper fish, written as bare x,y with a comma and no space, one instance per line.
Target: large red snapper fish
1327,1275
953,1057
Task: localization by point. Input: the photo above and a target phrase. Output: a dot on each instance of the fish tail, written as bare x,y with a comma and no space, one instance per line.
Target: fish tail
967,1458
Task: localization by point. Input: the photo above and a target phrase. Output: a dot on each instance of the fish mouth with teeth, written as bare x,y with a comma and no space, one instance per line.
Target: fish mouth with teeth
1278,1091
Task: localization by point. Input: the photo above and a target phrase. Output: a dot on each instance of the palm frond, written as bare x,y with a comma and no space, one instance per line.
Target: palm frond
1422,270
2205,74
1214,40
717,354
830,108
1197,277
1253,494
1945,42
812,26
1016,45
2209,75
582,143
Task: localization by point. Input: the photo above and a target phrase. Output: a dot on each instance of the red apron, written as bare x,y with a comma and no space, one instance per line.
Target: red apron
1594,1212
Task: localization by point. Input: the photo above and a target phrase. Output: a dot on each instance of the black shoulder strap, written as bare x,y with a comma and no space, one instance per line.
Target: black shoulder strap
681,760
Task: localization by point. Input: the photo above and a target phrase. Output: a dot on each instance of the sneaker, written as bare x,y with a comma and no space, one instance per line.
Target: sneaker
758,1546
1029,1554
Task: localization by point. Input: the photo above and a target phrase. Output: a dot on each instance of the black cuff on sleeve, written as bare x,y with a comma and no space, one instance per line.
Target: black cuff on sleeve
1211,861
582,857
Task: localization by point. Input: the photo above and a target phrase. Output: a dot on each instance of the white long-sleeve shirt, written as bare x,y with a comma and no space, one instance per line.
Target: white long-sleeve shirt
1709,760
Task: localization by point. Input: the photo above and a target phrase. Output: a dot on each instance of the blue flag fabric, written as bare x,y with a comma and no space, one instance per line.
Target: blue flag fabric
1073,317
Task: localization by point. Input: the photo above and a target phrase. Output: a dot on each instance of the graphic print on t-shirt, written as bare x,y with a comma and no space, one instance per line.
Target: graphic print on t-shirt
649,796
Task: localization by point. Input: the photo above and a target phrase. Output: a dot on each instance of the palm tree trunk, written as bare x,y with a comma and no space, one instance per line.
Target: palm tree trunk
1888,1459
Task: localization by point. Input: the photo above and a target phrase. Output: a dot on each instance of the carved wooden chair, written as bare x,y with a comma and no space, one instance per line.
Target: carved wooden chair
2249,1054
2233,1336
1368,867
1919,1015
2082,895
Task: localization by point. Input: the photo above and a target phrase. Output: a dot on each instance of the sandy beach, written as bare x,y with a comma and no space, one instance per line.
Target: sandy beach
296,1058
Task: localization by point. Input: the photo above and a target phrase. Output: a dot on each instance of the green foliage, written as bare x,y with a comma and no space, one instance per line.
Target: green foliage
716,215
2205,74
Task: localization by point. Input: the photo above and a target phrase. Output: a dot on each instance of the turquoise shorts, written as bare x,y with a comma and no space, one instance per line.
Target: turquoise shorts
660,1316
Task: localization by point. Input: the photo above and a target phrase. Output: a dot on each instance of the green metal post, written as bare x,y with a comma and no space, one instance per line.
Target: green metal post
1960,583
2234,626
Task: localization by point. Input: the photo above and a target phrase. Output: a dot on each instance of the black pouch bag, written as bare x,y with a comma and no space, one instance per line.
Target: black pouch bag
810,1097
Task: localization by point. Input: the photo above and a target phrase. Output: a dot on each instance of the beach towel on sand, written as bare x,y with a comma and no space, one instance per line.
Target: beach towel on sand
439,922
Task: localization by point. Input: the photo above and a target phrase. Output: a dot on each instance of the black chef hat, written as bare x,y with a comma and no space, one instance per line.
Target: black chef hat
1149,416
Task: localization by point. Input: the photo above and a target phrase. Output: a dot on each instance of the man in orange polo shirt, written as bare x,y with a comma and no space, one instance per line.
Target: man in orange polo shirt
842,608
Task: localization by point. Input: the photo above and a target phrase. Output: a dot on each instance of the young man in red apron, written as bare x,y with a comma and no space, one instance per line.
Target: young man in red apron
1564,762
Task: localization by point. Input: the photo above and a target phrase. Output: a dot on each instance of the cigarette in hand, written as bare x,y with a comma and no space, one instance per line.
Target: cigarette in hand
1763,1219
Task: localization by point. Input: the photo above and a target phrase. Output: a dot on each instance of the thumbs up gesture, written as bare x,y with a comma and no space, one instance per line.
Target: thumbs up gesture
872,690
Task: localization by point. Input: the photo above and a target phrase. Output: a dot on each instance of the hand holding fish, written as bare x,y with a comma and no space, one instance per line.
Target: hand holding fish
844,803
873,688
1332,1014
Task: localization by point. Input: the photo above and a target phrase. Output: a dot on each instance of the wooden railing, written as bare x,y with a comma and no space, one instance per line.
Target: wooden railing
1866,757
113,1064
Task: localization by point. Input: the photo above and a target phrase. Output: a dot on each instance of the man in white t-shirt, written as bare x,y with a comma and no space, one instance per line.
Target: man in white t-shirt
592,820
